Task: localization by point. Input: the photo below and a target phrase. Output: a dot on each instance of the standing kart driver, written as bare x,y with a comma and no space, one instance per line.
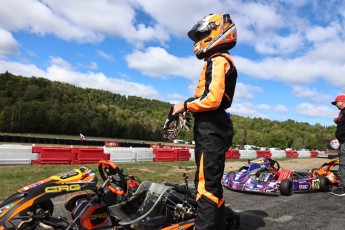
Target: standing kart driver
213,130
339,101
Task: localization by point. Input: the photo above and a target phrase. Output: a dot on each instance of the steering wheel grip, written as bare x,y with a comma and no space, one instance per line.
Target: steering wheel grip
112,169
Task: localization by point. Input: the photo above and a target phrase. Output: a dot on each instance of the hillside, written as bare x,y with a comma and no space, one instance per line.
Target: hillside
38,105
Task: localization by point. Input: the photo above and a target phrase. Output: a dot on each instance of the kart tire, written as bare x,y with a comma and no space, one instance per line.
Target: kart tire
325,184
285,187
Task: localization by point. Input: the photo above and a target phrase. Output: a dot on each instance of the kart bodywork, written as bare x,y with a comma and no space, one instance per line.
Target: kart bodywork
264,175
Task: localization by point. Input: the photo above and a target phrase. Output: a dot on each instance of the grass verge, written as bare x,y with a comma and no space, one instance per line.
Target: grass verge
15,177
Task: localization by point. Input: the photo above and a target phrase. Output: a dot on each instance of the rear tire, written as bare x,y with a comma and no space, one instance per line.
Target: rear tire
286,187
325,184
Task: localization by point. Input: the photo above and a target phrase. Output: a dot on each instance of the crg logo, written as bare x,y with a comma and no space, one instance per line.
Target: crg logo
62,188
98,216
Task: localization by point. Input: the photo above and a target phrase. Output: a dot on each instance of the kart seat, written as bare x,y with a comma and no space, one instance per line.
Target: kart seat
142,204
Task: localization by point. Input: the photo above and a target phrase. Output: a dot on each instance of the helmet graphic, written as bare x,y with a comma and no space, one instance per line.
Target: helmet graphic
216,32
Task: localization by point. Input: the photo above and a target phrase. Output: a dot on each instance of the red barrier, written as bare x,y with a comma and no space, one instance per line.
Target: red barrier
165,155
183,154
52,155
232,154
263,153
291,154
314,153
89,155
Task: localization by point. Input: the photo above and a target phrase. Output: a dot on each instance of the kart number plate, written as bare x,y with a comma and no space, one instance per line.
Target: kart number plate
315,184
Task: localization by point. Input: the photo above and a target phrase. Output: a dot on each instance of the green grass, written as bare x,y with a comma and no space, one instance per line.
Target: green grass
13,178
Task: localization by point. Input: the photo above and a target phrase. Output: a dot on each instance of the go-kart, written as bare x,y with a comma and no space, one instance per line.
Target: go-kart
258,175
31,206
109,206
328,173
264,175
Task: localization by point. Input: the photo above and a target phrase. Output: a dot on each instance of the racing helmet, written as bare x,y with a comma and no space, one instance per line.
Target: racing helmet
215,32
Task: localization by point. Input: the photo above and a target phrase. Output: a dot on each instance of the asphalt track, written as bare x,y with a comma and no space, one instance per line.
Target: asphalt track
302,210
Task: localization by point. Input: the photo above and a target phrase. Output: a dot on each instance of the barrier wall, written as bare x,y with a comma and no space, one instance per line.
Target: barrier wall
88,155
276,154
18,154
165,155
121,154
248,154
52,155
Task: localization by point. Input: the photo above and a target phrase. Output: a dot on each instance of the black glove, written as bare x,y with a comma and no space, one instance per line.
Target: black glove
185,120
170,127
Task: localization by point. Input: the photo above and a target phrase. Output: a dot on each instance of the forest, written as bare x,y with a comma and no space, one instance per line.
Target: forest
38,105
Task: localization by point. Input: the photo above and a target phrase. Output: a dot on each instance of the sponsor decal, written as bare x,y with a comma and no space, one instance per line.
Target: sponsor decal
98,216
5,208
303,187
62,188
31,186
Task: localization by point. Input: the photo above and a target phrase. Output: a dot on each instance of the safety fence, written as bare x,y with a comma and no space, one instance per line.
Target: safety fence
39,155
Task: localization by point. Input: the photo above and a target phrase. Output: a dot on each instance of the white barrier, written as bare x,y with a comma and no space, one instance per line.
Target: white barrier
322,154
16,155
303,154
143,154
120,154
248,154
276,154
192,154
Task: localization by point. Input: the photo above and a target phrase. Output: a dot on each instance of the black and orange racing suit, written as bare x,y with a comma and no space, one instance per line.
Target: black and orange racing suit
213,132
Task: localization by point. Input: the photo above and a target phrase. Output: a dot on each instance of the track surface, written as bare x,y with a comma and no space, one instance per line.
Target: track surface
307,210
311,210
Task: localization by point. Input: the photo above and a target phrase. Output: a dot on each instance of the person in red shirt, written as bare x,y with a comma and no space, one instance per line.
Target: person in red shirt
214,36
339,101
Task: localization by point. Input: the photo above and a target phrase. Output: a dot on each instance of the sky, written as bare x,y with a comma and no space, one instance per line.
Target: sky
290,55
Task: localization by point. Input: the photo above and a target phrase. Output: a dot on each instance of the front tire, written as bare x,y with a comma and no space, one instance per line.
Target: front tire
286,187
325,184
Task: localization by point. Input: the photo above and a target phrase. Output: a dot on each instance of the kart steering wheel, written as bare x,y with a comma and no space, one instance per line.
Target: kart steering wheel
108,168
274,164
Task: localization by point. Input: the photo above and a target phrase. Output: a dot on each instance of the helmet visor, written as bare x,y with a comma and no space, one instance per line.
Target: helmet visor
200,30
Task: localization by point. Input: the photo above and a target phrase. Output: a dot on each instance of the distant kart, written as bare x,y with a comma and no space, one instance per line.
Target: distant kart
328,173
264,175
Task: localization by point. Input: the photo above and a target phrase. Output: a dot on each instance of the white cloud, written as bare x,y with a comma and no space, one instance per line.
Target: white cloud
245,92
310,110
281,109
105,55
8,45
157,62
312,94
264,107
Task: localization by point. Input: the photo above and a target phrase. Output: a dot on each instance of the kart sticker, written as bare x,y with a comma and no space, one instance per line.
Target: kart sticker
315,184
5,208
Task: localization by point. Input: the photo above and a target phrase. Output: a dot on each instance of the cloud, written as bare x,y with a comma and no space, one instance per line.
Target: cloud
105,55
156,62
281,109
245,92
312,94
8,45
309,110
60,70
264,107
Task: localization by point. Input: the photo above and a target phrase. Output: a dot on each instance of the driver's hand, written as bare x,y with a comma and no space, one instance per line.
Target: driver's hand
178,108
